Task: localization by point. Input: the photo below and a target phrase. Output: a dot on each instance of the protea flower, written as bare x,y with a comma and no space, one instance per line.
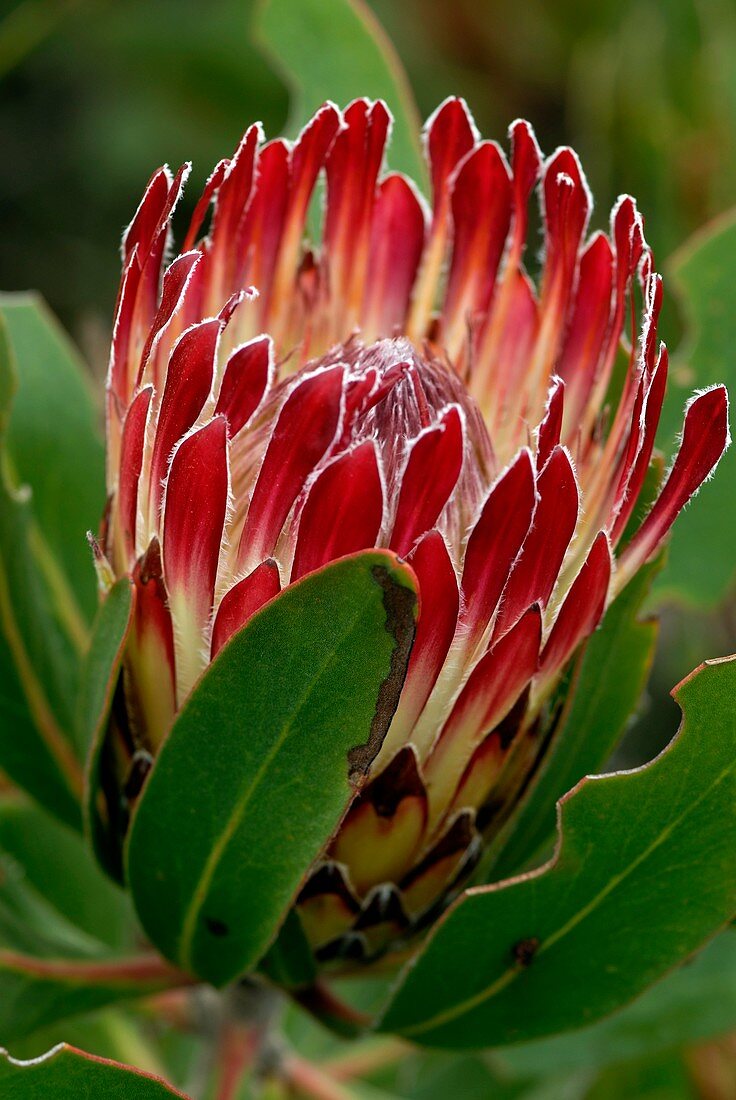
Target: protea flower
403,384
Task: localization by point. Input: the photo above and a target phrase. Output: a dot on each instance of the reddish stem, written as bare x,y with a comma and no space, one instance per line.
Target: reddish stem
237,1050
334,1013
142,970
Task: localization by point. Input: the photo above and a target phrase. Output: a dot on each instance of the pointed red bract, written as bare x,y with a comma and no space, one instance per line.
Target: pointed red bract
704,439
491,691
228,217
553,525
188,382
450,135
353,168
566,210
195,503
495,542
481,214
244,382
304,430
151,649
583,607
175,281
526,162
641,445
432,469
131,463
550,429
242,601
581,357
435,629
343,511
397,240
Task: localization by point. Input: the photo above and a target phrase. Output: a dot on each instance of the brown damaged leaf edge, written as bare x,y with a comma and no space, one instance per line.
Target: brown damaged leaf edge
400,604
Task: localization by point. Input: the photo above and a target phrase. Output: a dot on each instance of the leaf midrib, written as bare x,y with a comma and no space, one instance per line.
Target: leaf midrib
189,924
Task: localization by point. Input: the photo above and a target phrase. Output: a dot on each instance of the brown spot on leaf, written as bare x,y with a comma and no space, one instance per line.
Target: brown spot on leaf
524,951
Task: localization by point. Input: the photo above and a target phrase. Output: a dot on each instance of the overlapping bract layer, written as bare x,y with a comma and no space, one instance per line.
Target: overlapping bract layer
409,386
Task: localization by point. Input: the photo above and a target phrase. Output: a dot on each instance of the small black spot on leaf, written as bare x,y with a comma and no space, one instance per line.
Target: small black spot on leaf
524,951
216,927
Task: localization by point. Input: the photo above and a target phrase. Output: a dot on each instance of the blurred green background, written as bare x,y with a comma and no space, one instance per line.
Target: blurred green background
94,94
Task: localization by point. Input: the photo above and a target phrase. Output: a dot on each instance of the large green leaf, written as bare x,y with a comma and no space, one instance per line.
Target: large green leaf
68,1074
254,776
702,559
606,685
54,444
336,49
39,655
644,873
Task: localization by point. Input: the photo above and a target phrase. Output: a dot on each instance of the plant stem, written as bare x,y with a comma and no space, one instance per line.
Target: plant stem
331,1011
141,970
237,1050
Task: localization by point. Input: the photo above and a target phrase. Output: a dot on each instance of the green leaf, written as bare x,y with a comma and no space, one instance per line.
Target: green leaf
37,993
290,961
695,1003
607,682
30,924
54,444
59,866
51,970
68,1074
704,271
99,680
336,49
644,873
39,659
254,775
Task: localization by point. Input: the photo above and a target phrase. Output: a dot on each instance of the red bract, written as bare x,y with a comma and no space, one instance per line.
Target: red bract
407,385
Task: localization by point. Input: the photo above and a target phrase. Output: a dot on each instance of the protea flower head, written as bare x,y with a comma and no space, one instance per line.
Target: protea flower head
406,383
